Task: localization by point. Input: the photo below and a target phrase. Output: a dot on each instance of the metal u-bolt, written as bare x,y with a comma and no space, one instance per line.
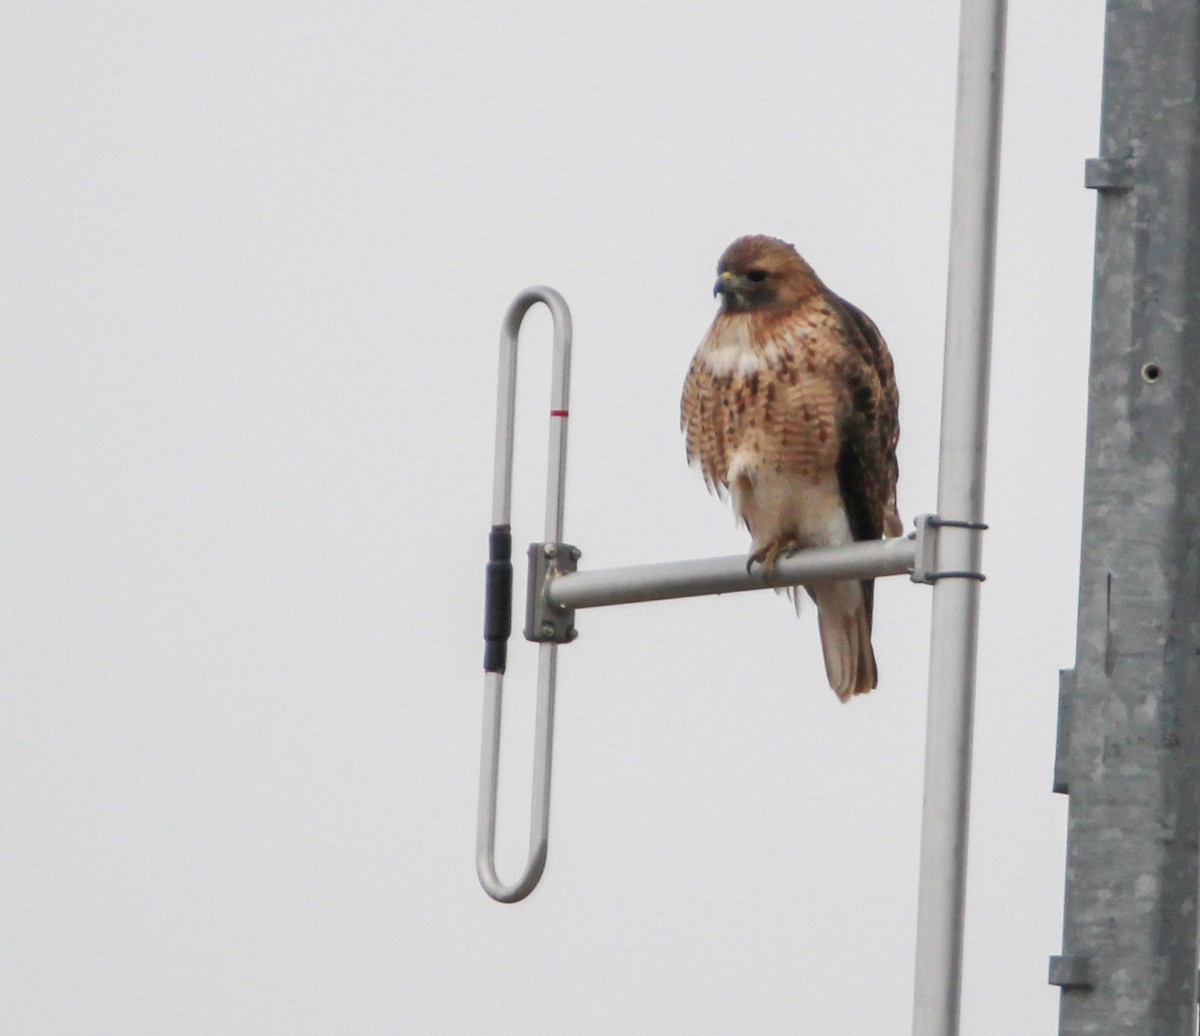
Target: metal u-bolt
497,623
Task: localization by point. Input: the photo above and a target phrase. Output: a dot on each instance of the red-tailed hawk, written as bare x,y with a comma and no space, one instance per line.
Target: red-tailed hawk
791,405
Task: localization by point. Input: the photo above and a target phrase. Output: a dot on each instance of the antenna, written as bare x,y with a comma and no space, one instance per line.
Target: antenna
944,551
498,609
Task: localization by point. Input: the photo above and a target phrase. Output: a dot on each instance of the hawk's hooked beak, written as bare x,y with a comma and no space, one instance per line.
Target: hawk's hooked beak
724,284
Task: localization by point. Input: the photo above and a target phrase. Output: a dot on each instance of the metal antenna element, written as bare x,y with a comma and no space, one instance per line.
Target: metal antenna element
1129,717
952,566
498,612
556,590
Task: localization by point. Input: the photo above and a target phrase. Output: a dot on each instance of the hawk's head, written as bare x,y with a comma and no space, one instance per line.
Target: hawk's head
760,272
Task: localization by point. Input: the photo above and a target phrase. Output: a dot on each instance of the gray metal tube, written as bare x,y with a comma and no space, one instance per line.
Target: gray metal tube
1132,764
942,889
539,823
489,766
506,404
701,576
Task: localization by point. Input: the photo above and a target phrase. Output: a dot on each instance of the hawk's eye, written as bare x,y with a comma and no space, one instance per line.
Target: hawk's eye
757,276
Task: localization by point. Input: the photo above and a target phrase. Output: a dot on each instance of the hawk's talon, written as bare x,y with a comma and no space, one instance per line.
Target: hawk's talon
769,556
764,570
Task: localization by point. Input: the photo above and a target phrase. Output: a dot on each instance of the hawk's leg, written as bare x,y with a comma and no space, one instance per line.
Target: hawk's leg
769,555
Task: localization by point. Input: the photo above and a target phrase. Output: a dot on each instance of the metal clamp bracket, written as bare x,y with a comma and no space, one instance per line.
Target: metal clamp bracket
1071,972
925,565
546,623
1109,174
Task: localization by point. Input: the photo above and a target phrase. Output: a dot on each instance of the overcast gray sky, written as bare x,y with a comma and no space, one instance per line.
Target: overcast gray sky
254,261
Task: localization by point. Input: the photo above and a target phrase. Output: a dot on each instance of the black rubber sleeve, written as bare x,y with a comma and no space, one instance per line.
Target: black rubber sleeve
497,614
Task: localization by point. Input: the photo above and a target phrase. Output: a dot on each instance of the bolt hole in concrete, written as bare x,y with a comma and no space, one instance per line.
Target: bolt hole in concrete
1151,372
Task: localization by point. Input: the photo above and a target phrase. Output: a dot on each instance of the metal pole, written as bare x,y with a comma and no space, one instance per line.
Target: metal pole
942,889
696,578
1130,728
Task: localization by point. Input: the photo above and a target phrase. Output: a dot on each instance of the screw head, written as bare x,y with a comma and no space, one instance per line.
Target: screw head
548,629
550,550
572,633
576,553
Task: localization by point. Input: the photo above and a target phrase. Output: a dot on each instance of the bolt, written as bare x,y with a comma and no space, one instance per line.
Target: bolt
547,629
550,550
576,553
572,633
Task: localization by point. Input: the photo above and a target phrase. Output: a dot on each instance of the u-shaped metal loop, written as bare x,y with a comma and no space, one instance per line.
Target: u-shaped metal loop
497,624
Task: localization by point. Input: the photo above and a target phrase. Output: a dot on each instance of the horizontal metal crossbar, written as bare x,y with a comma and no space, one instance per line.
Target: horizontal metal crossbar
702,576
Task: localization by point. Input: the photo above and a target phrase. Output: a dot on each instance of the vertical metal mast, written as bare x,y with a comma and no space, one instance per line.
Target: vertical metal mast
960,511
1130,722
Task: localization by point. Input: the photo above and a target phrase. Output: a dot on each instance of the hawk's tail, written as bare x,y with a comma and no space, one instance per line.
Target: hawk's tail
845,625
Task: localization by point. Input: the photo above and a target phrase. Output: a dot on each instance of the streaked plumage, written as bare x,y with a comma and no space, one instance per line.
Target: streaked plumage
790,404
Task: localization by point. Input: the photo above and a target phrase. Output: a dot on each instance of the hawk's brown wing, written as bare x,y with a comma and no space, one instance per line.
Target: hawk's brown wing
867,466
704,421
867,469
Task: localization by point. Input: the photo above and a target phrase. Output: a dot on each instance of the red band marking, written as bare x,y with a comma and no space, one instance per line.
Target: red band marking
558,413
